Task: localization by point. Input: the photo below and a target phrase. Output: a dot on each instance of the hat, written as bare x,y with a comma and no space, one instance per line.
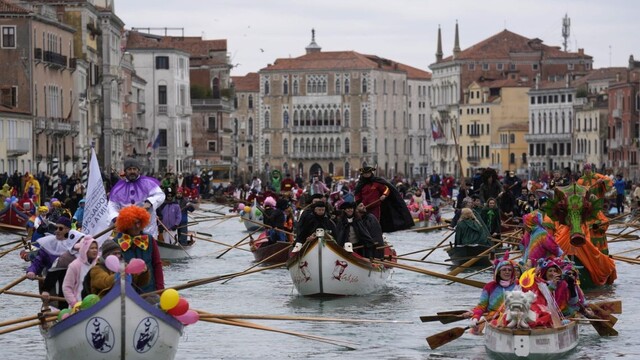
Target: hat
82,201
64,221
169,191
317,196
366,169
109,247
131,163
500,263
282,204
270,201
347,205
545,264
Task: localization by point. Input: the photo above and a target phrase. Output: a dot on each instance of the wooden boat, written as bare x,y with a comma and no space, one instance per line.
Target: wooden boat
544,343
14,215
323,268
120,326
261,250
460,254
173,250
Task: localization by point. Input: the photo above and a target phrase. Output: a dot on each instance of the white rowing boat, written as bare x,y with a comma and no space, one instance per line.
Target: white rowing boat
544,343
323,268
122,325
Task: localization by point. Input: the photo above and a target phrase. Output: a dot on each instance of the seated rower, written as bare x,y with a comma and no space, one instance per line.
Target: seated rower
76,271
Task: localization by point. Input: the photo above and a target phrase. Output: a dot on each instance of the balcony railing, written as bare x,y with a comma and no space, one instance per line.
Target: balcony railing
617,113
223,103
315,155
316,129
18,146
55,59
579,157
162,109
183,110
37,53
184,152
57,126
614,144
473,159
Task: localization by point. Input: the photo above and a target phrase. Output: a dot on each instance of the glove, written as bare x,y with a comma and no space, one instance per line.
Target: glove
474,322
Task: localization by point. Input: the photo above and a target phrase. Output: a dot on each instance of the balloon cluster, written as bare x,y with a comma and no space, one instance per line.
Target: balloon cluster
10,200
135,266
174,304
85,304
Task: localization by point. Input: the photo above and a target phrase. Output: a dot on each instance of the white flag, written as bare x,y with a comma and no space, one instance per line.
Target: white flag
96,213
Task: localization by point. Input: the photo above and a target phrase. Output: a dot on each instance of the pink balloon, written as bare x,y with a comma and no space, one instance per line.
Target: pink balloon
188,318
113,263
135,266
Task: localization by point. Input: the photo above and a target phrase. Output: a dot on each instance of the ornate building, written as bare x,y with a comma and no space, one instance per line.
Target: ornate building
244,124
330,112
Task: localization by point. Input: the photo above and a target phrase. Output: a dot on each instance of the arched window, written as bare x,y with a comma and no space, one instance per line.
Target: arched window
308,118
296,121
325,117
346,118
250,151
338,146
309,86
296,147
250,101
331,169
295,87
313,146
332,119
364,118
512,138
215,88
308,147
346,86
250,127
285,147
346,146
266,87
285,87
364,85
324,86
267,147
266,119
365,147
338,90
338,118
314,118
347,170
326,146
235,126
512,158
332,146
285,119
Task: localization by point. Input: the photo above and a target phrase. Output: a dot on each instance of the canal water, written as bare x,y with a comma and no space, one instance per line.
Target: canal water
408,296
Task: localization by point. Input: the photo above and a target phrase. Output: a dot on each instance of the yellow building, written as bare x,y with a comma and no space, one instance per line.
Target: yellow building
493,122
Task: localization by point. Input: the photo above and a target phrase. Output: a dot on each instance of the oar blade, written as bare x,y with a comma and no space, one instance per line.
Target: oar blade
613,306
445,337
444,319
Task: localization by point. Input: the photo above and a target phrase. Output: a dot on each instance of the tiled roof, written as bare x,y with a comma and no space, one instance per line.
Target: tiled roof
504,43
603,74
248,83
195,46
344,60
8,8
505,83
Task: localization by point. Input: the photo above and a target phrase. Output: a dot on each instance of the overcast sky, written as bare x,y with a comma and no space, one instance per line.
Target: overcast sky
260,31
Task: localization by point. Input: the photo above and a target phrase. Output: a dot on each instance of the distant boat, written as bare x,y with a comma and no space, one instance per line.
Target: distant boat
460,254
261,250
15,215
323,268
122,325
174,251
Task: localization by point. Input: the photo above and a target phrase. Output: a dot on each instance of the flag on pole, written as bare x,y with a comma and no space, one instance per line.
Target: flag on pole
156,143
96,213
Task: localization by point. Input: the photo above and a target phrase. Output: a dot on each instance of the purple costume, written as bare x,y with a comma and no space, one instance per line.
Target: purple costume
137,192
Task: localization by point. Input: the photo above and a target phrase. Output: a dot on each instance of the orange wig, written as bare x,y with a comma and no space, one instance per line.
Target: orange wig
129,216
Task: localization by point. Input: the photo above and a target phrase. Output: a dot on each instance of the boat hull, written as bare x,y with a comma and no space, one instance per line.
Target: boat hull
544,343
262,251
322,268
13,215
174,251
458,255
101,331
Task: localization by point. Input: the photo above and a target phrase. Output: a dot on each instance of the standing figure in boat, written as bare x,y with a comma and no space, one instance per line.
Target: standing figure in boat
360,230
139,190
317,219
32,189
382,200
470,230
538,241
491,217
169,216
100,279
185,208
134,243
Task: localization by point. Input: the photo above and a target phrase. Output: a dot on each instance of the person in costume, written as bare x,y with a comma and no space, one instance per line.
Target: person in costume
79,214
600,183
274,217
382,200
493,293
470,230
491,216
79,268
360,228
134,243
538,241
32,187
316,219
185,208
100,279
287,185
169,216
138,190
276,180
40,225
491,187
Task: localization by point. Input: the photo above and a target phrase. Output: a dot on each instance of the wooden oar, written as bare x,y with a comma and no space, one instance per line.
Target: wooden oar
11,243
238,243
423,250
603,328
469,282
3,253
429,228
444,319
470,263
37,296
174,238
26,325
447,336
249,325
439,244
26,318
13,283
268,227
612,306
625,259
204,314
220,243
263,261
422,261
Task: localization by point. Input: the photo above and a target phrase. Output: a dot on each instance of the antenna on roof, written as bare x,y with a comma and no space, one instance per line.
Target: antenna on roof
566,28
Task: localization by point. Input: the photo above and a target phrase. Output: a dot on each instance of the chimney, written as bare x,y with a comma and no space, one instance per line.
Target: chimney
439,50
581,51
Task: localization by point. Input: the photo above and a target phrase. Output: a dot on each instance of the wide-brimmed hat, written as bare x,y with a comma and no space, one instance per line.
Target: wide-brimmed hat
367,169
347,205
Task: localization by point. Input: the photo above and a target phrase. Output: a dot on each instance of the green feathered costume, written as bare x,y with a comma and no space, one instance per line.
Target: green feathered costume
276,179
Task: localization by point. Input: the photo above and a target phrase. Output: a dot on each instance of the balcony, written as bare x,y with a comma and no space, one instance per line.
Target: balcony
37,53
55,126
55,60
316,129
184,152
212,104
18,146
547,137
39,125
183,110
474,135
162,109
141,133
440,141
617,113
474,160
315,155
615,144
579,157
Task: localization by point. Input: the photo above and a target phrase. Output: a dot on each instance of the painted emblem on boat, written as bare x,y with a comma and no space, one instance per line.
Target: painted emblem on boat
100,334
305,271
146,335
338,270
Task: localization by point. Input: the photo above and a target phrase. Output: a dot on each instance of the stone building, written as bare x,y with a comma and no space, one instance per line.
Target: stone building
330,112
244,125
505,55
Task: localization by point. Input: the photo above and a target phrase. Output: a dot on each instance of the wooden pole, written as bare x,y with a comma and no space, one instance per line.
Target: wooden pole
473,283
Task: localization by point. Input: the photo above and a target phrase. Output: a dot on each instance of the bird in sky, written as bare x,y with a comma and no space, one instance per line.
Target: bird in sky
261,50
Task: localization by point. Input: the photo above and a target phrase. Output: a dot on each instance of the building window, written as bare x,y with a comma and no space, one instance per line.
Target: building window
9,97
337,86
250,127
364,118
569,66
250,152
472,66
485,66
346,86
534,67
285,147
267,147
162,94
295,87
250,106
364,85
8,37
266,120
512,67
365,145
162,136
213,123
285,87
346,118
212,146
285,119
346,146
500,66
266,87
162,62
